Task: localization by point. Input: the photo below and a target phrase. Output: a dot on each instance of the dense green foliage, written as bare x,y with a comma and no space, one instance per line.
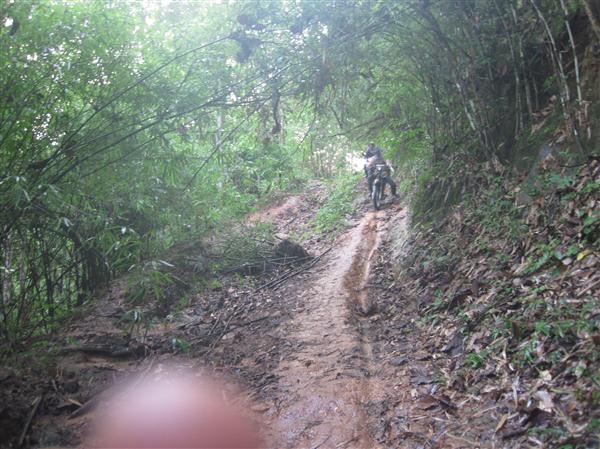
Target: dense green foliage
339,204
126,126
117,141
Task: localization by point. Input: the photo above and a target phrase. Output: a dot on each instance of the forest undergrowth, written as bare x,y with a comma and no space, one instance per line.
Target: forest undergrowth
507,286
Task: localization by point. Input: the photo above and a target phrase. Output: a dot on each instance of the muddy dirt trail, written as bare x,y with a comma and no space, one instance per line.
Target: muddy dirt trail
334,356
327,382
299,356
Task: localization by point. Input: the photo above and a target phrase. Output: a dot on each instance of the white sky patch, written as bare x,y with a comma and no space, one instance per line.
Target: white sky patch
8,22
355,162
153,5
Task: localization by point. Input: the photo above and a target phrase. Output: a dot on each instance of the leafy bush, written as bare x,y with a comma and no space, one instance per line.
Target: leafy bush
339,203
150,284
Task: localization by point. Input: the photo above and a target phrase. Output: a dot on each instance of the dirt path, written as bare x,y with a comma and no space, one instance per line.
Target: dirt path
330,378
337,356
301,353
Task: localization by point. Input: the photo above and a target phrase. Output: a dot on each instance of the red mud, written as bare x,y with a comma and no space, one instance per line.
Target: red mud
329,379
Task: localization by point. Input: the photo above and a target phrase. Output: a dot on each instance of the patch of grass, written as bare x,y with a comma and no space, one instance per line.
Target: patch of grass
148,284
179,344
429,319
477,359
136,323
548,432
210,284
544,253
339,203
185,302
590,187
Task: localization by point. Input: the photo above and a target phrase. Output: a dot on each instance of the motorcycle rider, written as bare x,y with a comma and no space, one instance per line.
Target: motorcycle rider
374,156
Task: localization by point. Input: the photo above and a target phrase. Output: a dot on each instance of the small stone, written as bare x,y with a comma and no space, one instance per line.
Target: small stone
398,361
71,386
522,199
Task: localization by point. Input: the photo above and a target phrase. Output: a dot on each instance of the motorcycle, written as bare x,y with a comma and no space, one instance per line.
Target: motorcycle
379,173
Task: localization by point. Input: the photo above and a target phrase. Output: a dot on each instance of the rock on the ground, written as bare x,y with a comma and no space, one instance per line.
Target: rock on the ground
288,248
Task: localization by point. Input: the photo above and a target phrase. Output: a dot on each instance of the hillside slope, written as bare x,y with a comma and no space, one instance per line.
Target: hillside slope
507,292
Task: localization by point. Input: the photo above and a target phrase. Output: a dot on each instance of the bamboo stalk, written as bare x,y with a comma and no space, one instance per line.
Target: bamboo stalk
518,119
575,60
564,94
523,63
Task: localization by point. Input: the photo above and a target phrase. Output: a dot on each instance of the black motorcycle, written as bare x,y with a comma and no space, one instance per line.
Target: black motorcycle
379,172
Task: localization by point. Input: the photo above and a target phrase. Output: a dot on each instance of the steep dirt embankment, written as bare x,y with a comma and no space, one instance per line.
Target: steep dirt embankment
492,318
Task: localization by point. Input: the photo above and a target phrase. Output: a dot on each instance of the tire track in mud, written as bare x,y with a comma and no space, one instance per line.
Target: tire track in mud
326,385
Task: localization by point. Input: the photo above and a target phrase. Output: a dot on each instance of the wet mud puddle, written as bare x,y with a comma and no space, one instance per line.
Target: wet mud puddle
327,382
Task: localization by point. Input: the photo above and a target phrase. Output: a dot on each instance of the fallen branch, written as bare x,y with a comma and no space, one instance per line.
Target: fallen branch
286,224
265,262
347,442
274,281
235,326
375,286
212,329
109,351
268,284
87,406
257,320
218,338
291,273
588,288
322,442
34,408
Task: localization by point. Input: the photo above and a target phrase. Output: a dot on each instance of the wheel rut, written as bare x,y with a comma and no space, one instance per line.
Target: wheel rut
327,383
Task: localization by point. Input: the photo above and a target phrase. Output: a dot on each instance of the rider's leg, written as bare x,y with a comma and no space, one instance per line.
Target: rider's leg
370,181
392,184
